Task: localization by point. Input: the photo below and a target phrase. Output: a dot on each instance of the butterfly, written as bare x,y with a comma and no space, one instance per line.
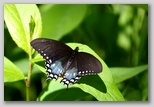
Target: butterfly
62,61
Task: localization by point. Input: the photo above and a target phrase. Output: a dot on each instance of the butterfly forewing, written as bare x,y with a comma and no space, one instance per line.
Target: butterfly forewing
51,49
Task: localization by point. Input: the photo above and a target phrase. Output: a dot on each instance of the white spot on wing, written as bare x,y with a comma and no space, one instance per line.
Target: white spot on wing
64,80
50,61
72,80
77,78
47,57
47,65
56,76
49,70
51,75
67,82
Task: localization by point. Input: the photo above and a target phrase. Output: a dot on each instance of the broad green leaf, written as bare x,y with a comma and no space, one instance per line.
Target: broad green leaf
11,72
58,92
19,18
101,86
122,73
60,19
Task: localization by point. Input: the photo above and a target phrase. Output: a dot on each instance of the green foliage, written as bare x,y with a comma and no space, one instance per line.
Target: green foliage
120,74
11,72
17,18
60,19
113,34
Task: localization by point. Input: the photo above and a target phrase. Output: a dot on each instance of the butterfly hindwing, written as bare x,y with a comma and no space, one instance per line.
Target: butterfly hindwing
88,64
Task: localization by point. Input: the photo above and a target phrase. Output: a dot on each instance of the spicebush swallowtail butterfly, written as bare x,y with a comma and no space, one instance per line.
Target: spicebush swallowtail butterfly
62,61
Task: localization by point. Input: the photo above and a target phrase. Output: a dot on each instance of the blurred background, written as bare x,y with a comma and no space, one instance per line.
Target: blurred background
118,33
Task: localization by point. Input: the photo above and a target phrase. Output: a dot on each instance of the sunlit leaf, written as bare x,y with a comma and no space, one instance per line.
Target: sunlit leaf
11,72
17,18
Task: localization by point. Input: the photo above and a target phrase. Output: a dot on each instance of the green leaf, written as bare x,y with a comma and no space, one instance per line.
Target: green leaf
41,68
17,18
57,92
11,72
37,58
60,19
122,73
101,86
143,6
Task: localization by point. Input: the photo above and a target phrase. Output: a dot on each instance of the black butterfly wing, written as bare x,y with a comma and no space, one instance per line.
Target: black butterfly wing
88,64
51,50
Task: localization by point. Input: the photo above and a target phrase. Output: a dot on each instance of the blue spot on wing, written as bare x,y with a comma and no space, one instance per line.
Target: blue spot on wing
72,73
57,67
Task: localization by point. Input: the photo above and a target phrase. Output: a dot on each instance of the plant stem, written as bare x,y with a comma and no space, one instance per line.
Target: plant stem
29,78
27,94
28,81
31,29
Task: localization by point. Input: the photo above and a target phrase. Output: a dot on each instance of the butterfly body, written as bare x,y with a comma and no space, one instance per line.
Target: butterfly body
62,61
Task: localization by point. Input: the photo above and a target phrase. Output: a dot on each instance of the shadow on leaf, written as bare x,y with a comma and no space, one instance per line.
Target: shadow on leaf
94,81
